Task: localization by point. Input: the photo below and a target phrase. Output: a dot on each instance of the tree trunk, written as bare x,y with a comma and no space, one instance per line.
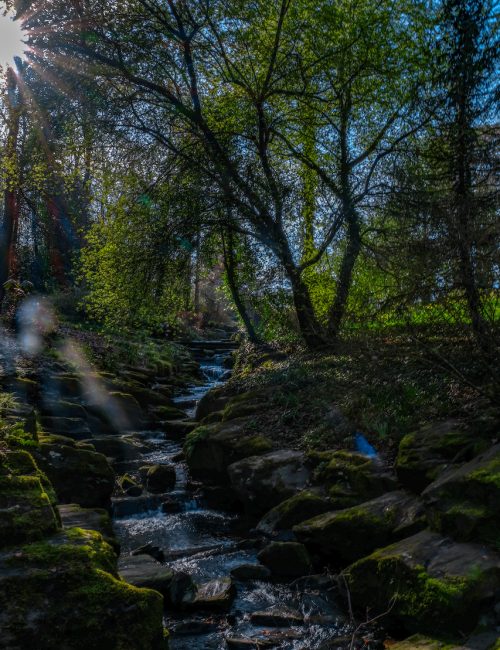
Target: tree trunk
344,283
230,266
10,220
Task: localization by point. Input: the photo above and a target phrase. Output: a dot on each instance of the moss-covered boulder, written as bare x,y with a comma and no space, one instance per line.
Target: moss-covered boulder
160,478
285,515
210,449
215,400
166,412
78,475
350,477
426,453
465,502
263,481
27,500
427,583
126,447
72,427
346,535
286,559
98,519
63,592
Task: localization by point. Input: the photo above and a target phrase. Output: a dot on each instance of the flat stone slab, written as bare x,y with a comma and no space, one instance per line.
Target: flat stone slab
277,617
142,571
215,594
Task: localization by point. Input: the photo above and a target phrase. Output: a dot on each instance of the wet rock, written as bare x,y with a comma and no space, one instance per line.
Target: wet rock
78,475
465,502
346,535
171,506
268,641
426,453
129,407
65,409
210,449
160,478
193,627
75,428
166,413
150,549
74,516
126,506
250,572
179,429
277,617
216,594
182,590
350,477
431,584
284,516
287,559
267,480
119,447
145,572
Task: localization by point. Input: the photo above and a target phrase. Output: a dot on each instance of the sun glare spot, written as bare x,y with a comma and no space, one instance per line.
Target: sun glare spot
12,37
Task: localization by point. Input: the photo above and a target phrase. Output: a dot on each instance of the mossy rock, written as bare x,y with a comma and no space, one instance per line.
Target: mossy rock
70,427
427,584
215,400
292,511
210,449
426,453
346,535
160,478
27,500
78,475
63,592
166,412
420,642
465,502
98,519
286,559
350,477
244,404
266,480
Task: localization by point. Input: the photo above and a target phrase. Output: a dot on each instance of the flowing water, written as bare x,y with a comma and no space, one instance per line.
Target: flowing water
207,543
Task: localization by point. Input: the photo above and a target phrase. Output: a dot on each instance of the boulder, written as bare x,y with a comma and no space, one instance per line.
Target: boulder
160,478
179,429
210,449
214,400
250,572
78,475
426,583
118,447
129,486
63,592
129,505
350,477
182,590
75,428
166,413
267,480
145,572
73,516
27,500
424,454
288,513
464,502
287,559
343,536
216,594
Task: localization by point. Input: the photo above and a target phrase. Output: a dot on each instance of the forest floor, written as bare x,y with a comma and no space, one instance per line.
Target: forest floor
380,385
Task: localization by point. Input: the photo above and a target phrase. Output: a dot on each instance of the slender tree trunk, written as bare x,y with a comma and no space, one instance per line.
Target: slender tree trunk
309,326
230,266
10,220
348,263
197,270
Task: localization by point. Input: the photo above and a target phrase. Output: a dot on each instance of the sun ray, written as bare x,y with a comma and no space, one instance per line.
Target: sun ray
12,39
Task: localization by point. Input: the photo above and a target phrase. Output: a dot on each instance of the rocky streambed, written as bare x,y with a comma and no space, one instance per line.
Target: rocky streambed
205,560
221,535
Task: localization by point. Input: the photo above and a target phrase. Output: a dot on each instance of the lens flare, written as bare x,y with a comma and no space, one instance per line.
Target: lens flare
12,39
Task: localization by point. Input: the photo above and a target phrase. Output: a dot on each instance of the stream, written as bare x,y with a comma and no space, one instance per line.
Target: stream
208,543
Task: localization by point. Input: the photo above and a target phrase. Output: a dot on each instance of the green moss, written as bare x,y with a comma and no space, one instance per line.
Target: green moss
488,475
196,436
